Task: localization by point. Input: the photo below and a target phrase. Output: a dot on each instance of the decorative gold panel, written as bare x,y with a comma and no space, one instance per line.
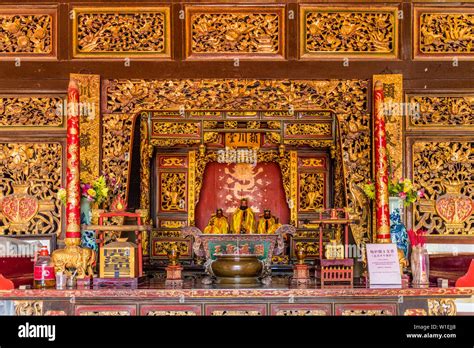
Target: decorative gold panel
341,32
443,33
27,33
435,164
30,174
311,191
32,112
441,307
121,32
172,192
308,130
442,112
89,94
161,248
340,96
171,129
28,308
220,32
116,145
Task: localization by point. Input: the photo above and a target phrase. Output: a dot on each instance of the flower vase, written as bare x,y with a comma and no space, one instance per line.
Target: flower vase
398,232
420,265
88,239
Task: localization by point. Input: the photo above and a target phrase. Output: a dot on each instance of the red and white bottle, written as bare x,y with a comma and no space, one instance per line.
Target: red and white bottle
44,277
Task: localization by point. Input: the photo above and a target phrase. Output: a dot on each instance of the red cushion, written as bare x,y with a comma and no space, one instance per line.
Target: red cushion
6,284
467,280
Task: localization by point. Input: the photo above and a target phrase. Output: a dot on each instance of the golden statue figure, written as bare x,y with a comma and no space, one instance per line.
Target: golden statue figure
267,223
217,224
243,219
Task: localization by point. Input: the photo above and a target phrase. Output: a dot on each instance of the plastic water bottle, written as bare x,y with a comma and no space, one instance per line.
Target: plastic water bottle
44,277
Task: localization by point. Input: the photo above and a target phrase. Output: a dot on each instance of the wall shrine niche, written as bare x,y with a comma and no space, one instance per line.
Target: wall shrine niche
118,32
357,32
217,32
277,99
28,33
443,33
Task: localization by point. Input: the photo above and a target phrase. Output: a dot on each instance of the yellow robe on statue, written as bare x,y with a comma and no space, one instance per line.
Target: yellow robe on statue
217,225
264,229
238,221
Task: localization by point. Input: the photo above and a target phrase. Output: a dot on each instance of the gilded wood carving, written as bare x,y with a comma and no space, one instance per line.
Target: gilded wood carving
27,33
340,32
441,112
105,32
30,177
31,112
219,32
443,33
437,166
89,111
116,144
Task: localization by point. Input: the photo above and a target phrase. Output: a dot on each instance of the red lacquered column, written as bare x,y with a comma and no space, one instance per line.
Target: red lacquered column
73,200
381,168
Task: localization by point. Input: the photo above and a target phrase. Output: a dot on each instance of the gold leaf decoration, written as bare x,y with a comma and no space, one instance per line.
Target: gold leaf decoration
121,32
341,32
31,112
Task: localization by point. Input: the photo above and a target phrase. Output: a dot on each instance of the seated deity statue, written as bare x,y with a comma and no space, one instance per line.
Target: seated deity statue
267,223
243,219
217,224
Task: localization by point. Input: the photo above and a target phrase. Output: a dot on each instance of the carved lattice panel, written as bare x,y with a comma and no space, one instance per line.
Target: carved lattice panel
328,32
435,164
173,192
121,32
30,177
443,33
116,142
446,112
311,191
31,112
220,32
27,33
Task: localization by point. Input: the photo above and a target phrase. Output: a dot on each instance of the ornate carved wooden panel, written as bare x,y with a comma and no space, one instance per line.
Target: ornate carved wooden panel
235,309
118,32
170,310
116,145
443,166
30,177
437,112
443,33
89,91
32,112
28,33
105,310
355,32
225,32
366,309
300,309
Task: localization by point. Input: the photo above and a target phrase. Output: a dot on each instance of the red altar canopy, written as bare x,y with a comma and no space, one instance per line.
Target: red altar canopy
224,185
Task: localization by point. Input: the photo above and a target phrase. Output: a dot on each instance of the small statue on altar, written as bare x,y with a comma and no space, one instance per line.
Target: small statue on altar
217,223
243,219
267,223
